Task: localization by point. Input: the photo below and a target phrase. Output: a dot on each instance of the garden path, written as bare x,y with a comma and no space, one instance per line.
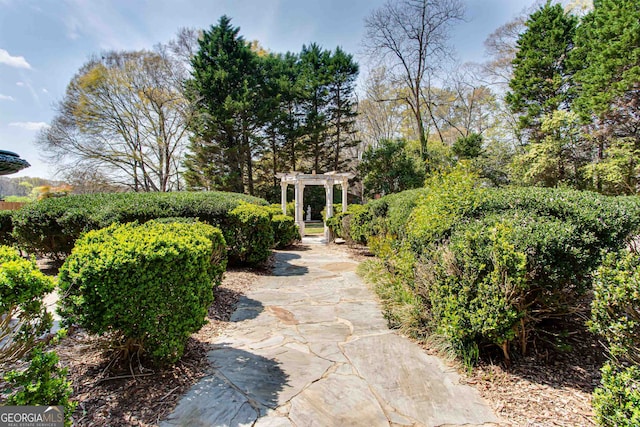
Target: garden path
309,346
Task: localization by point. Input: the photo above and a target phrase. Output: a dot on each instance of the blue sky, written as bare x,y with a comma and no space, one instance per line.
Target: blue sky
43,43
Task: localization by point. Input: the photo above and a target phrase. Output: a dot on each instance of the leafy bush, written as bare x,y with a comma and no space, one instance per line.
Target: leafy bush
285,231
615,311
250,235
617,400
353,225
43,383
615,315
493,264
151,284
22,289
52,226
6,228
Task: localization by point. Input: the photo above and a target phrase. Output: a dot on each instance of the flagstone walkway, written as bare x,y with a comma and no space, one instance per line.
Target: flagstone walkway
309,347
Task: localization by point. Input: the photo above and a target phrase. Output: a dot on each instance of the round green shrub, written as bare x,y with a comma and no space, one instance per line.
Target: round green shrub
43,382
151,284
250,234
22,289
285,231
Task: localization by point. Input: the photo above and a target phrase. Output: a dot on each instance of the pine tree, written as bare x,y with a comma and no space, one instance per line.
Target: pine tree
542,77
225,90
314,65
608,54
343,72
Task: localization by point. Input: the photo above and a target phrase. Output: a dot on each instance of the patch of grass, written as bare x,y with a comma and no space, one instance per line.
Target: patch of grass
314,228
403,309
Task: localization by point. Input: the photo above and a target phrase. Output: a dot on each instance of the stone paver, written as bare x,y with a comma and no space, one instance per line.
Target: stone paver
309,347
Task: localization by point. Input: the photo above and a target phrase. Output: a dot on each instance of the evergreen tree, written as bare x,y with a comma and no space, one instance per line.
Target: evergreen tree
343,72
542,77
226,92
314,66
390,169
608,54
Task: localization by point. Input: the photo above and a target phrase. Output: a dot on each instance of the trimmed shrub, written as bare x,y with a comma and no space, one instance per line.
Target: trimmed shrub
617,400
493,264
285,231
151,284
52,226
499,277
615,315
44,382
22,289
615,310
250,235
353,226
6,228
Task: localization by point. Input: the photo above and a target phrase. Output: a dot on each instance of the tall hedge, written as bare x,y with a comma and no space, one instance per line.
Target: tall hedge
151,284
491,265
52,226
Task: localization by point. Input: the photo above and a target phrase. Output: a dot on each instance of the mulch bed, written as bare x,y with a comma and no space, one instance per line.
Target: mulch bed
134,393
552,386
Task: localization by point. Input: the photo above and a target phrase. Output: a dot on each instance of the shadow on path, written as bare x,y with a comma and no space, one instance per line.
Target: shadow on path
241,388
283,266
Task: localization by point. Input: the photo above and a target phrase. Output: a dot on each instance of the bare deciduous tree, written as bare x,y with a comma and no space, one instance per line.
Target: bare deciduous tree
125,115
412,36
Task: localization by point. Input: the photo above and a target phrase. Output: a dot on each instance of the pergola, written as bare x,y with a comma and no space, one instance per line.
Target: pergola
300,180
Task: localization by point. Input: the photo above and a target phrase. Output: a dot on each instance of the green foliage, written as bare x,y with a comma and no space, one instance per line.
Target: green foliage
52,226
608,56
468,147
250,237
303,103
558,158
389,169
22,289
541,82
617,400
18,199
43,383
403,309
285,231
354,225
6,228
615,311
615,315
493,265
448,198
151,284
607,59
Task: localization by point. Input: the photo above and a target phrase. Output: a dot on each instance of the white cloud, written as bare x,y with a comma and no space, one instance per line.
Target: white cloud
29,125
13,61
20,84
44,90
6,97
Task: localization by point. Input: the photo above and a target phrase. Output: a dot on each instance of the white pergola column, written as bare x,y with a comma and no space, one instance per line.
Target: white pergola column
299,202
345,186
328,186
283,197
329,195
